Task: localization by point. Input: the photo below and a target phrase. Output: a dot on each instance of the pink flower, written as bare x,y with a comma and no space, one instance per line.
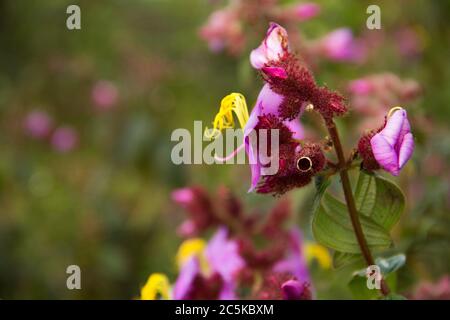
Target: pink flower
340,45
223,31
64,139
183,196
360,86
104,95
185,281
295,290
38,124
272,49
223,255
306,11
224,262
295,262
393,146
268,103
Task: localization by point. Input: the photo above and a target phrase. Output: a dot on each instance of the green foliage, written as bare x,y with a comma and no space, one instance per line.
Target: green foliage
388,268
380,204
332,227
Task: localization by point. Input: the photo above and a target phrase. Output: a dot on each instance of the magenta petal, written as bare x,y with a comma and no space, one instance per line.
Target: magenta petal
406,150
275,72
292,290
223,255
296,127
185,279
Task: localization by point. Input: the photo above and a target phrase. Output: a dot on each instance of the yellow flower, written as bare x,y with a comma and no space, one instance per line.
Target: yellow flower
190,248
319,253
156,288
234,102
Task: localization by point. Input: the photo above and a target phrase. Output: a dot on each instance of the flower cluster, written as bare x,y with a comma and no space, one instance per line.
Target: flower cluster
230,265
289,90
372,96
225,28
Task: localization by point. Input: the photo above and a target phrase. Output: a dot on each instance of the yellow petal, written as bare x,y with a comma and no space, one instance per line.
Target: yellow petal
190,248
157,287
319,253
234,102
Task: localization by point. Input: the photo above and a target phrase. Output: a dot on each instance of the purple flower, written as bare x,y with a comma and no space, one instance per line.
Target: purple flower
393,146
294,290
183,196
268,102
64,139
223,260
104,95
340,45
223,255
38,124
185,280
360,86
272,49
295,262
306,11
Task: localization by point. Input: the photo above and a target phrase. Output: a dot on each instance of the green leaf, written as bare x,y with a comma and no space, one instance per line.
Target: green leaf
391,264
394,296
359,289
379,199
332,227
341,259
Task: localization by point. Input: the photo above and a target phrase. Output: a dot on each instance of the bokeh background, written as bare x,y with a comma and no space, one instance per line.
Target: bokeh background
94,189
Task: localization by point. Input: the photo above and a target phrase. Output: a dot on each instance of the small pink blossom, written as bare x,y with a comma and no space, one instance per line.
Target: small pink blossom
393,146
272,49
183,196
38,124
360,86
340,45
223,30
64,139
306,11
104,95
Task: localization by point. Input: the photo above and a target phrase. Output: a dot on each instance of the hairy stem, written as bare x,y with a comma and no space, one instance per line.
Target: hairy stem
350,201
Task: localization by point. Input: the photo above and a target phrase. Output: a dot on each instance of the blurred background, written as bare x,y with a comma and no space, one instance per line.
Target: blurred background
86,117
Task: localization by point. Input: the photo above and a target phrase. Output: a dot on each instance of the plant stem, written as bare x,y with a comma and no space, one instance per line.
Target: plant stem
350,201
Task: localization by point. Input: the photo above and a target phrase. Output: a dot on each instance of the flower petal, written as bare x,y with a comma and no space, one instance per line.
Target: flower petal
392,130
385,153
185,279
258,57
406,149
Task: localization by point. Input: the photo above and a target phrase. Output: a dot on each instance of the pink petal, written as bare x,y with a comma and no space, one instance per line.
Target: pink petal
307,10
275,72
297,128
406,149
394,126
385,154
258,57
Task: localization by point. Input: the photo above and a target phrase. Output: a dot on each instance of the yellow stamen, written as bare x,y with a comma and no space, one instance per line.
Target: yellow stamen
190,248
234,102
391,112
319,253
157,287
